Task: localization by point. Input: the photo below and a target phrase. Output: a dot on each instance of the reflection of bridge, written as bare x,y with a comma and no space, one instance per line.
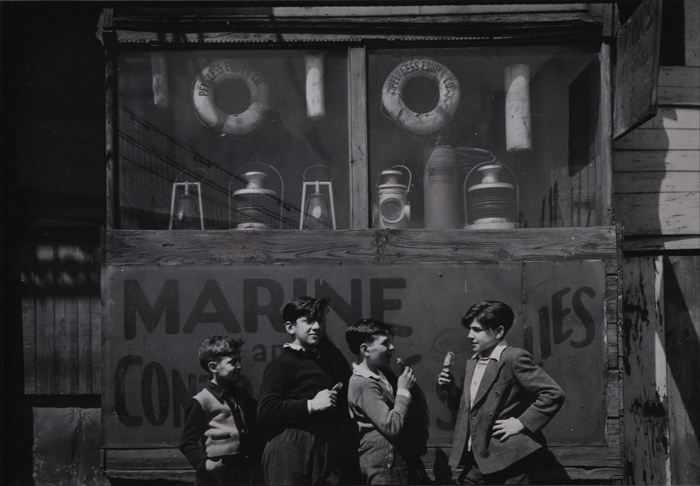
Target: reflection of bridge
151,160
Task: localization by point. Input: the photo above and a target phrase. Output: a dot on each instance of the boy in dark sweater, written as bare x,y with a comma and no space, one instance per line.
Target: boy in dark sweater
218,437
302,409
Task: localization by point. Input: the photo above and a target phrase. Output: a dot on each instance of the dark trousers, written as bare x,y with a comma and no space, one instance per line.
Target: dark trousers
233,473
516,473
300,458
380,463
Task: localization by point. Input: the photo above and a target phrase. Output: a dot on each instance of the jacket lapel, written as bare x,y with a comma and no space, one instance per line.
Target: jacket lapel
490,375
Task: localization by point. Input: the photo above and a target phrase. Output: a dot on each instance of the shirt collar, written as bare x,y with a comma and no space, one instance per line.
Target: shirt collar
496,352
293,346
362,370
217,390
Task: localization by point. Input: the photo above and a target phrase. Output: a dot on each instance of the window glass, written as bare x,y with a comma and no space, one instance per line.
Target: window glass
219,139
483,138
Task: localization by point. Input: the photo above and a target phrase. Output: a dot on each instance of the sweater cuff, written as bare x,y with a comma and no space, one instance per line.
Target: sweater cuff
404,392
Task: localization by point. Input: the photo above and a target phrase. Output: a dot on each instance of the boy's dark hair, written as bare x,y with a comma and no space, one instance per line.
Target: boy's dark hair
490,314
308,307
215,348
364,331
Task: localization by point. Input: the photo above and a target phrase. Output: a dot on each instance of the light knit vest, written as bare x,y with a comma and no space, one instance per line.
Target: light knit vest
222,437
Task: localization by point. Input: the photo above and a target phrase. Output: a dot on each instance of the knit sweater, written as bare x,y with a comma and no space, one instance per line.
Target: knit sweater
217,425
295,377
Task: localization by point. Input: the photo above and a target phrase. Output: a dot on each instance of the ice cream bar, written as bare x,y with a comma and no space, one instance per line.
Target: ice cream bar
447,360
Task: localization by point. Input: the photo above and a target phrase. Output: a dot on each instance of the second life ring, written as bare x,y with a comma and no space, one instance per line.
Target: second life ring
433,120
212,116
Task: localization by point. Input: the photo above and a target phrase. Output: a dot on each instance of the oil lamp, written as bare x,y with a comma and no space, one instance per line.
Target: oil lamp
186,210
392,197
257,206
490,202
317,207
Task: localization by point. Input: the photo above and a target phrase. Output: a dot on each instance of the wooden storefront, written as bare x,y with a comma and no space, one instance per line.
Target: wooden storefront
113,363
164,290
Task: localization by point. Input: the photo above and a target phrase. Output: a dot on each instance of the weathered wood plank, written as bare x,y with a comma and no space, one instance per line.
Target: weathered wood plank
657,160
44,344
111,167
673,95
423,10
646,427
668,117
660,243
95,364
660,139
84,361
692,32
631,183
29,344
73,355
358,156
62,369
682,331
603,143
659,214
679,76
356,247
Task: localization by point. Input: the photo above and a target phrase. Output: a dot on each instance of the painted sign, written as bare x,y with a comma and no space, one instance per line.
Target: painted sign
158,315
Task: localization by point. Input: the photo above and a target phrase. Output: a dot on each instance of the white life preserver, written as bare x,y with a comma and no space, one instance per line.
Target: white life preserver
433,120
230,123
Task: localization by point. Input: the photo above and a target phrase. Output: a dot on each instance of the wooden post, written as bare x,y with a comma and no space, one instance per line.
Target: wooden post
357,137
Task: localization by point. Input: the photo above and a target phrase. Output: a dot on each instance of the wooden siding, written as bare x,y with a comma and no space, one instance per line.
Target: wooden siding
62,348
644,364
657,175
61,313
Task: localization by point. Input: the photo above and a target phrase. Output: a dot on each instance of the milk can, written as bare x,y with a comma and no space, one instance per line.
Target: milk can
392,197
490,199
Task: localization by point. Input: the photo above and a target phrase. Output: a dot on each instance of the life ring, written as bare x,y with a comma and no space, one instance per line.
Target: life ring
212,116
433,120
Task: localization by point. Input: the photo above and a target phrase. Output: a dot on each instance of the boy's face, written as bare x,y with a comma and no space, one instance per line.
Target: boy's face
483,339
307,331
227,370
378,352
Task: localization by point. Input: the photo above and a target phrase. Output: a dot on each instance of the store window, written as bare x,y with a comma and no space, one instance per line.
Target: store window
487,137
483,137
221,139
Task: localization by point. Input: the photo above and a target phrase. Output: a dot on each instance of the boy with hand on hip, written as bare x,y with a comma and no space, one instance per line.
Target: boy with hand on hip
505,402
218,436
301,405
379,412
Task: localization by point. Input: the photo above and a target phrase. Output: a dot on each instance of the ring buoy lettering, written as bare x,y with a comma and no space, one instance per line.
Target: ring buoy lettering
212,116
433,120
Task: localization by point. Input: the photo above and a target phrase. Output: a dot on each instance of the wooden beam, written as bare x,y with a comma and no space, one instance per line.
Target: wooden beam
357,138
656,244
357,247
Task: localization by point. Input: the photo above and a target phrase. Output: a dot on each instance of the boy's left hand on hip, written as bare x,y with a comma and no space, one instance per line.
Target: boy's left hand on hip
507,427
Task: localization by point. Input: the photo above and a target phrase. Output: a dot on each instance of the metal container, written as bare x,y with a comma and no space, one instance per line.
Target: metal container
491,202
441,189
257,206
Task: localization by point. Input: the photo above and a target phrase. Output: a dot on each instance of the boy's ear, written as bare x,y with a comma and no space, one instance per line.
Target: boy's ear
211,366
363,348
500,331
289,327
